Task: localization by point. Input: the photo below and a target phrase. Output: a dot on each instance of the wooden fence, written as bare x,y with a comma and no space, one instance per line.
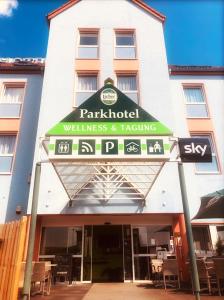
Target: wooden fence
13,245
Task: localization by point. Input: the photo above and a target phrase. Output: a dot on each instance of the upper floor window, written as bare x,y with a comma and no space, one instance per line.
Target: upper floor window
195,102
7,146
88,45
11,100
86,87
128,85
211,167
125,45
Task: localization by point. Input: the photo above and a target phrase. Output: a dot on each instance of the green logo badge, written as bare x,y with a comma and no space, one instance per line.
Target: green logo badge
108,96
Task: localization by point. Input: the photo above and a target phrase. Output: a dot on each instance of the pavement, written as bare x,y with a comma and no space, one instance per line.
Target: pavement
119,291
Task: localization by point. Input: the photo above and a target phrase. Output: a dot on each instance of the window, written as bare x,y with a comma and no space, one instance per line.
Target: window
7,145
11,100
125,45
88,45
195,102
128,85
208,167
86,87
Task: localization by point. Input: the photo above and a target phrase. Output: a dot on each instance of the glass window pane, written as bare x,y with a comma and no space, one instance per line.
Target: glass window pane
125,39
7,144
125,53
54,241
76,268
127,252
140,240
13,95
193,95
197,110
142,268
9,110
207,167
87,83
88,39
82,96
132,96
87,252
75,240
5,163
127,83
88,52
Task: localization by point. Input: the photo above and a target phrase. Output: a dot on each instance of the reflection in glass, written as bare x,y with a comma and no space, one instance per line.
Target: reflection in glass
76,268
142,268
140,240
54,241
75,240
127,252
87,253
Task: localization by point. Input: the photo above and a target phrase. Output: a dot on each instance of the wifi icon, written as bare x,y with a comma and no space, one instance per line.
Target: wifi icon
86,147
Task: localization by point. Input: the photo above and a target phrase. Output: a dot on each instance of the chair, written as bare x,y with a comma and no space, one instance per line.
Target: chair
157,265
63,268
41,276
203,274
171,271
219,272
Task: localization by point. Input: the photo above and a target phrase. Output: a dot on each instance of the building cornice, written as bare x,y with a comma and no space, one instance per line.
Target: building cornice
19,68
195,70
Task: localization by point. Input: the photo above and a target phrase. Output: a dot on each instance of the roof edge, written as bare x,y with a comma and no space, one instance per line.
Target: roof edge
195,70
13,68
139,3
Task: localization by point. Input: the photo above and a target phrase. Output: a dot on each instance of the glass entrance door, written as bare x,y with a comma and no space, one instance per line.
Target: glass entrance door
107,254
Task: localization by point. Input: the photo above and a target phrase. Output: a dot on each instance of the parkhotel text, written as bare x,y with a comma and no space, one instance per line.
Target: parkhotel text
101,114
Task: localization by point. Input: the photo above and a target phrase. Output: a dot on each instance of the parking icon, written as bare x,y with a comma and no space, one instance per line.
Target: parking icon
109,147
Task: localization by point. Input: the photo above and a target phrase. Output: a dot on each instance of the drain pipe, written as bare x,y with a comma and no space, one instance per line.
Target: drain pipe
28,269
195,279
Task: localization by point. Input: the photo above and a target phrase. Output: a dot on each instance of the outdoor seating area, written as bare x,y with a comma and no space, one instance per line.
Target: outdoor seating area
211,274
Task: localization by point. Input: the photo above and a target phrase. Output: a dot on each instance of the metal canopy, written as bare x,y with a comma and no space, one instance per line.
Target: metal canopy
104,181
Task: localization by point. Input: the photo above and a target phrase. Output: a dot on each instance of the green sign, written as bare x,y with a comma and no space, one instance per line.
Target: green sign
109,112
116,148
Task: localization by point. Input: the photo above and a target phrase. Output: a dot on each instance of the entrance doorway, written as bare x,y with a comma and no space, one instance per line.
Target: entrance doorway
107,254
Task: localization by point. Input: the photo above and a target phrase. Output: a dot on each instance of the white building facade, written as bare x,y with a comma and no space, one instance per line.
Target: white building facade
124,40
20,93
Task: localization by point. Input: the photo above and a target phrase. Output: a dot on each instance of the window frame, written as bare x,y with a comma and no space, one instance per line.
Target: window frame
125,31
214,152
13,155
205,103
88,31
13,84
129,74
84,74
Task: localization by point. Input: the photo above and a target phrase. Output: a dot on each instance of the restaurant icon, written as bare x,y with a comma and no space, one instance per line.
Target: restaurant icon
155,146
132,147
63,147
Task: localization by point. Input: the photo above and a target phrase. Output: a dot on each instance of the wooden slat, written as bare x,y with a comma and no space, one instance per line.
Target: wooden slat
11,256
19,258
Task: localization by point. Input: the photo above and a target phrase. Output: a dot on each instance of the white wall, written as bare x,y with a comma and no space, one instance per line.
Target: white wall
58,89
199,185
14,188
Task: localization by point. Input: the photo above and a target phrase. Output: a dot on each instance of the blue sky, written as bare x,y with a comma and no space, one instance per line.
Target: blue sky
194,29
